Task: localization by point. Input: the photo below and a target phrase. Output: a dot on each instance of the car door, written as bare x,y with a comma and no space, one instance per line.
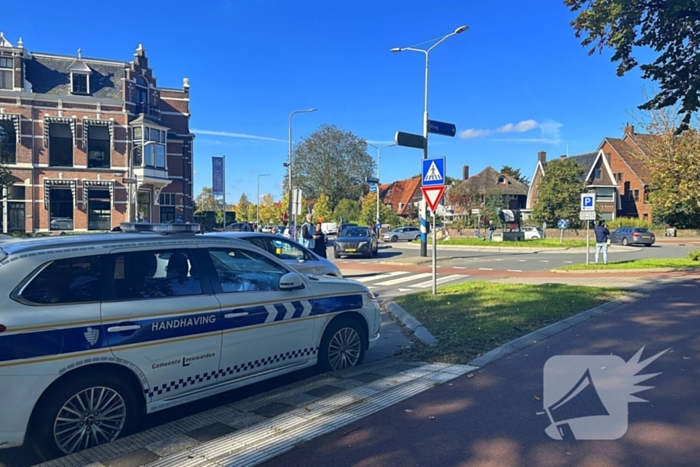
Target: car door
161,318
264,328
293,254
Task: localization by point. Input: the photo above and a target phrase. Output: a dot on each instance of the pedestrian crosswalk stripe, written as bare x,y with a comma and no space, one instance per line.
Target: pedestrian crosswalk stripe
404,279
440,280
379,277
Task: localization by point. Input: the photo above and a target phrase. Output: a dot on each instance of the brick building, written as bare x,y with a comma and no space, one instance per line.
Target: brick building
91,142
614,172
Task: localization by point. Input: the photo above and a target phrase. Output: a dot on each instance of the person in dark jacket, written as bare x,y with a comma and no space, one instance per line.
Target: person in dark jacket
602,236
320,240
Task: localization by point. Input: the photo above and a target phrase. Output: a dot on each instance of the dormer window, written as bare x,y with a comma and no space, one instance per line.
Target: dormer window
80,76
502,180
80,83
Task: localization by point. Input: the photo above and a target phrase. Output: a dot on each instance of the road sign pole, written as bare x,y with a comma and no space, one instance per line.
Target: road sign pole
588,242
434,256
561,236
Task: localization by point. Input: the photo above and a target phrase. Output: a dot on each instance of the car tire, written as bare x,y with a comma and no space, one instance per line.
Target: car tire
343,345
417,238
122,400
647,245
624,241
394,238
336,255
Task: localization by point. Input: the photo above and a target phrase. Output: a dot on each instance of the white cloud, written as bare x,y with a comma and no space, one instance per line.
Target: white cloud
472,133
238,135
525,125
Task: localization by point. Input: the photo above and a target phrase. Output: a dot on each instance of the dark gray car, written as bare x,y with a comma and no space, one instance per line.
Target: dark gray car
356,241
633,236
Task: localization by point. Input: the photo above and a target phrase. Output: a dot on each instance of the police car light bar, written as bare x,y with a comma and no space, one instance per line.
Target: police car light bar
148,227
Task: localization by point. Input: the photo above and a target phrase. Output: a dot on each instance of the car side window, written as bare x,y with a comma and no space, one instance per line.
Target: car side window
257,241
74,280
284,249
240,270
154,274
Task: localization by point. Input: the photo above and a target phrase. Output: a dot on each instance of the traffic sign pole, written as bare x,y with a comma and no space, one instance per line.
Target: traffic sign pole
588,242
434,255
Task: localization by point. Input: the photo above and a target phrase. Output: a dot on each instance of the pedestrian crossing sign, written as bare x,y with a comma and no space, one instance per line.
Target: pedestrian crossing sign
433,172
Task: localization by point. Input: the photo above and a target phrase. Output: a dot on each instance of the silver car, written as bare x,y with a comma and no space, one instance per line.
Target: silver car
290,252
402,233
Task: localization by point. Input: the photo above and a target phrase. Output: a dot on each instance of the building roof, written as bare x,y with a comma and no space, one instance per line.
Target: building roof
399,193
50,74
487,180
644,143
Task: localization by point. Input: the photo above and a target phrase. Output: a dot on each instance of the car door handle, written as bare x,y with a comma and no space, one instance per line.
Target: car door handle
129,327
236,315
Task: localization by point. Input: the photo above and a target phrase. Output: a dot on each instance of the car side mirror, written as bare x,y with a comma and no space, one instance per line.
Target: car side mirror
291,281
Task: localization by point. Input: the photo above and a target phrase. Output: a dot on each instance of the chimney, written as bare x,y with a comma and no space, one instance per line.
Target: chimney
541,157
629,129
465,172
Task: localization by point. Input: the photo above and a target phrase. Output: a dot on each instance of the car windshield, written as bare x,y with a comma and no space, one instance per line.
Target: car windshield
355,232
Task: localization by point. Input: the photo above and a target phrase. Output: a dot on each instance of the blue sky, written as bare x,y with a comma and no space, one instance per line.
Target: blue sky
515,83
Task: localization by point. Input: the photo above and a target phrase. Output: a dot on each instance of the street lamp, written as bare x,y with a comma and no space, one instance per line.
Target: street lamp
424,210
131,180
379,158
257,204
289,164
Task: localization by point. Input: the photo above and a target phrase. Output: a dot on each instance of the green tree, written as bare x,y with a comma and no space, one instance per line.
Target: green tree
515,173
206,201
244,209
560,193
333,162
269,213
668,27
368,215
348,210
322,209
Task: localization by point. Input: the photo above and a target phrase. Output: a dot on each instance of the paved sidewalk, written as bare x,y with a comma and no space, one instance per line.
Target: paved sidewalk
630,283
496,417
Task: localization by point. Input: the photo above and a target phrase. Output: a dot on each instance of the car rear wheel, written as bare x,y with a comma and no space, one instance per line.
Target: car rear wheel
342,345
394,238
85,412
417,237
625,242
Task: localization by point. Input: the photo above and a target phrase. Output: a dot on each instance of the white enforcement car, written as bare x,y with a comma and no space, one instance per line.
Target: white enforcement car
97,330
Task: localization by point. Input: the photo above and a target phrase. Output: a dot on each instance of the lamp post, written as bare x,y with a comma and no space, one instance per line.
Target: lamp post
257,204
379,158
131,180
289,164
424,209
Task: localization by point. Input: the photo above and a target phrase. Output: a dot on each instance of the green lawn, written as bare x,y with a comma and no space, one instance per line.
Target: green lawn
473,318
649,263
544,243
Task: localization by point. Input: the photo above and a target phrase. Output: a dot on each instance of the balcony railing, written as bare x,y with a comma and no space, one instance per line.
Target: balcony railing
148,109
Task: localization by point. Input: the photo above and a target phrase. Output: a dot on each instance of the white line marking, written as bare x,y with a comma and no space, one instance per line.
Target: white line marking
515,270
380,276
499,259
522,260
485,269
567,262
544,261
440,280
459,267
404,279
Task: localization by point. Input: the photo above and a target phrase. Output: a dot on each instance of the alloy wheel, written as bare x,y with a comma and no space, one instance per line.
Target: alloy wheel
344,349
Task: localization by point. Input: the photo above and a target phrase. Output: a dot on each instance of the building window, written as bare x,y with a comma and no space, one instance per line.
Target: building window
618,176
167,214
150,150
645,217
99,209
605,195
598,174
99,147
80,83
143,206
15,217
60,145
141,97
167,199
8,142
6,75
627,188
61,208
634,195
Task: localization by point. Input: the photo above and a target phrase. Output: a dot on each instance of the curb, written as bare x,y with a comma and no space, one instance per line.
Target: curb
418,330
555,328
618,271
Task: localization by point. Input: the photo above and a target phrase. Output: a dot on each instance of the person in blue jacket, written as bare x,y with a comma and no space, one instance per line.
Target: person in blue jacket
602,238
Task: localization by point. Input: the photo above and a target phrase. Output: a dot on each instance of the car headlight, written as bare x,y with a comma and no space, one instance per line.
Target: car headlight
363,244
370,296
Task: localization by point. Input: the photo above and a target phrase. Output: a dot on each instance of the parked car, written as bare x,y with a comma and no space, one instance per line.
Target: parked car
402,233
329,228
633,236
61,223
532,233
98,330
290,252
240,227
356,241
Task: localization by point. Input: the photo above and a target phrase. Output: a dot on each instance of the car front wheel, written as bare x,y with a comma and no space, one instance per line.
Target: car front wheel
85,412
394,238
342,345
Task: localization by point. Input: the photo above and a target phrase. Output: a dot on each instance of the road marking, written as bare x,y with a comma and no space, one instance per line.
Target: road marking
404,290
567,262
544,261
459,267
515,270
522,260
485,269
404,279
496,259
380,276
440,280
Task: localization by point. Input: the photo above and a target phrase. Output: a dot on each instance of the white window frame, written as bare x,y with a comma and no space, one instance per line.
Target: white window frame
11,70
87,80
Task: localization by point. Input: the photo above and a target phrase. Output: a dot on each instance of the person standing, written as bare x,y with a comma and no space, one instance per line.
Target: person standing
492,229
602,240
307,233
320,240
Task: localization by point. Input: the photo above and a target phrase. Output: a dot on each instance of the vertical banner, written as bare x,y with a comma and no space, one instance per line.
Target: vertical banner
217,167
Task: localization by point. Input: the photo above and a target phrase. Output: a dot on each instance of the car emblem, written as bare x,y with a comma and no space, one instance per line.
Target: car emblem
92,336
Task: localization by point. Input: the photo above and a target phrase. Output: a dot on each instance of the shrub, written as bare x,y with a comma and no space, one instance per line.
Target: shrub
628,222
694,255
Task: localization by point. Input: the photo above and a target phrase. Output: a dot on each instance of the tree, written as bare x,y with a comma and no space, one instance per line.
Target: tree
347,210
669,27
560,193
206,201
369,212
334,162
515,173
243,210
493,202
322,209
672,161
6,179
411,212
269,213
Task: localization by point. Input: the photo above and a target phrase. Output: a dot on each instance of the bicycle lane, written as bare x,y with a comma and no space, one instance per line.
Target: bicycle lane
491,418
